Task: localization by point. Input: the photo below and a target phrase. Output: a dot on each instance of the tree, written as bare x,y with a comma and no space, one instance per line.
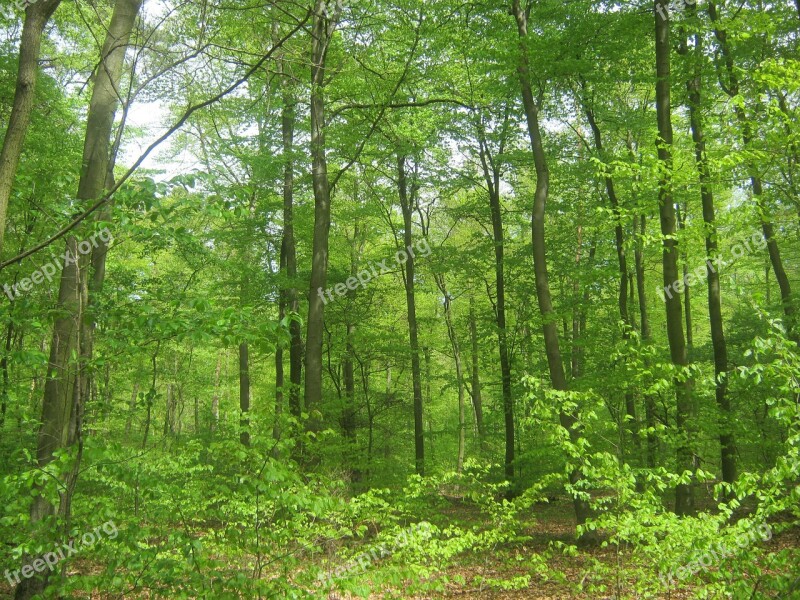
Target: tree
684,495
37,16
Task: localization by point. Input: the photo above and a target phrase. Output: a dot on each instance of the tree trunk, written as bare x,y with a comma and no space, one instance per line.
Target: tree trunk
408,280
549,327
4,369
451,333
622,261
215,397
67,380
131,408
289,245
244,394
693,87
684,494
649,401
477,403
767,228
321,33
491,172
348,368
169,414
680,214
36,17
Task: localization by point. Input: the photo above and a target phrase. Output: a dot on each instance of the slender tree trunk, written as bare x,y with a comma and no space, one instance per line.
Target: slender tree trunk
290,247
321,33
37,16
131,408
693,87
280,379
684,494
549,326
649,401
244,393
451,333
477,402
622,262
680,214
4,369
767,227
348,368
408,279
215,397
151,394
169,413
491,173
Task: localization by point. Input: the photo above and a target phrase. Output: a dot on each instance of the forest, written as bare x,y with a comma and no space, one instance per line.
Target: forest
400,299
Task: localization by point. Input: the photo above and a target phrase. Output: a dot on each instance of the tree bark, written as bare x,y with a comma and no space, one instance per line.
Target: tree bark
451,333
684,494
322,30
649,401
244,394
408,280
680,214
290,247
68,382
477,402
622,261
348,371
215,397
37,16
549,326
491,172
767,227
693,87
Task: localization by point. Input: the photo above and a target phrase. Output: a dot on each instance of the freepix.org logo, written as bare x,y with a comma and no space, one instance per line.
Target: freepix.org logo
49,270
23,4
49,560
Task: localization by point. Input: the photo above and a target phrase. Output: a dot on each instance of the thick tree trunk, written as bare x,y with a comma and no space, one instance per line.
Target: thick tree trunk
693,87
684,494
549,326
321,32
408,280
67,384
36,17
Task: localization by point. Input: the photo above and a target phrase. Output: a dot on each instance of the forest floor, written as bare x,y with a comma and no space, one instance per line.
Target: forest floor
555,522
602,569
